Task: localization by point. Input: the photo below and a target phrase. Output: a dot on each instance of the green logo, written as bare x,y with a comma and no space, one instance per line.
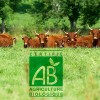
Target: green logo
45,76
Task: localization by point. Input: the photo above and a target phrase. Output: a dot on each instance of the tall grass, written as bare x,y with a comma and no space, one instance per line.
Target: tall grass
81,80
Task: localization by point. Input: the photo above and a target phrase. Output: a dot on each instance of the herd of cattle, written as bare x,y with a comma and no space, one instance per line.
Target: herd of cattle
69,39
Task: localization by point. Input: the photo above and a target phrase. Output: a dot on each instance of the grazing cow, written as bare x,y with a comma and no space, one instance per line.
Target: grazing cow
96,36
72,37
6,40
31,42
48,40
84,41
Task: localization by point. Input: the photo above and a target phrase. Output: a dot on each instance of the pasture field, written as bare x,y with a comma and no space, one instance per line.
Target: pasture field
81,80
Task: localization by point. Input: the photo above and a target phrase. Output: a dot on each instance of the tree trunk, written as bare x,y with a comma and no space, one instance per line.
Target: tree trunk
72,25
3,26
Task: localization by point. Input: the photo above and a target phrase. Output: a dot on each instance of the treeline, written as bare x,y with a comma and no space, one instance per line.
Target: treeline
51,14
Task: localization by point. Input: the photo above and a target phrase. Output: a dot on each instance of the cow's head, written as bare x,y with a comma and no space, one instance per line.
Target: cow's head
71,36
64,42
25,39
42,38
59,43
95,33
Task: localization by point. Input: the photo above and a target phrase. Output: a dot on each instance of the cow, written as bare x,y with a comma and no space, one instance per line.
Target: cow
42,39
48,40
96,36
31,42
6,35
84,41
64,42
72,37
25,39
34,43
6,40
53,39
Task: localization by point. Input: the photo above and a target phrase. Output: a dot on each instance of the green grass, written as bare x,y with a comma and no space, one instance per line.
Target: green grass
81,65
81,73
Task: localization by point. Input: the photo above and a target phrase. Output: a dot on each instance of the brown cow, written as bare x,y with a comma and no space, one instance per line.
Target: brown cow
96,36
25,39
64,42
31,42
6,40
72,37
84,41
53,39
42,39
48,40
34,43
6,35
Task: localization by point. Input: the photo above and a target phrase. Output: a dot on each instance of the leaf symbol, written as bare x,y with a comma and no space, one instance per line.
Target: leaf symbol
51,61
56,64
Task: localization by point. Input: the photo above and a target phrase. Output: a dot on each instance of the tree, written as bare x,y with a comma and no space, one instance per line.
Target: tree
5,10
87,10
58,8
71,9
45,11
14,4
42,8
91,12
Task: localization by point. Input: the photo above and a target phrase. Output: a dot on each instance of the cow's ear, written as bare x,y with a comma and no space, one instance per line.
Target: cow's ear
76,35
22,38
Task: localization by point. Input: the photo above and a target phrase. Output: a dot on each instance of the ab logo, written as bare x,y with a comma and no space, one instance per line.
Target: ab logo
45,75
46,71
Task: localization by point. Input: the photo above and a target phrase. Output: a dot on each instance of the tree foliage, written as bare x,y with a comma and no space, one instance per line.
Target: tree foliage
91,12
71,9
42,8
55,14
88,10
6,9
14,4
